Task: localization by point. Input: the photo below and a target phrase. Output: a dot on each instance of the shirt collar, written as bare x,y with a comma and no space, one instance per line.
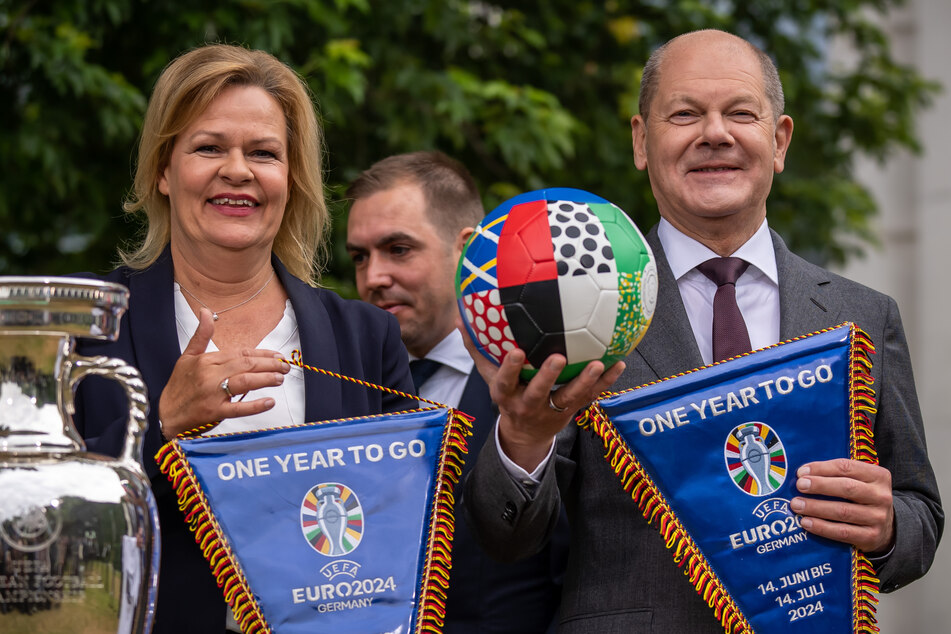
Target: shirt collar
684,253
451,351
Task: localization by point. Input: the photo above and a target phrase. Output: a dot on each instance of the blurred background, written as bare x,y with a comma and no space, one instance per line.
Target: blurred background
527,95
912,227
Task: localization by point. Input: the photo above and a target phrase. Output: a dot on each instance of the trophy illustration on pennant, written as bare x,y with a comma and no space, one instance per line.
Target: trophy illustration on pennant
78,531
332,518
754,456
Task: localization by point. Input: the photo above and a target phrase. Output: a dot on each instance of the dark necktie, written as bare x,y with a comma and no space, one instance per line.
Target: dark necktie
730,336
422,369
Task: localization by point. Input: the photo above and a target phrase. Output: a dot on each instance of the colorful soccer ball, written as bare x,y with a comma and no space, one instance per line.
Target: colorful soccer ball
557,271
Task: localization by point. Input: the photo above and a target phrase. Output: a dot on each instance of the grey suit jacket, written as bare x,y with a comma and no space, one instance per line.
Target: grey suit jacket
621,578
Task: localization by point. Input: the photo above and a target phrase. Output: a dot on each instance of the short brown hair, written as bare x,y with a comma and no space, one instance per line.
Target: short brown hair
452,198
651,76
183,91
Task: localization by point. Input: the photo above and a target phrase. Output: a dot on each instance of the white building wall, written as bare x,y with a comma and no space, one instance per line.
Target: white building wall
914,196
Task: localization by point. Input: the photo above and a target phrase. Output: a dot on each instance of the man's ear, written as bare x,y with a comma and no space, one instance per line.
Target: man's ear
461,238
639,141
784,128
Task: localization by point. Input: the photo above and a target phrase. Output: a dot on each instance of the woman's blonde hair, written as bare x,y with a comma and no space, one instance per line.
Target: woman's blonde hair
183,91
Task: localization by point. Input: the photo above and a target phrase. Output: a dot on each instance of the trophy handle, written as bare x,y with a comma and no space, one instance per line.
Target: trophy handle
78,367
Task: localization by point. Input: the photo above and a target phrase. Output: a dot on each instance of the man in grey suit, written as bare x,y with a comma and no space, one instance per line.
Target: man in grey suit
711,133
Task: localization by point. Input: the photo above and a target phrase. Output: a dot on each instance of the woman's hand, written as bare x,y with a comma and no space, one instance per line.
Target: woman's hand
194,396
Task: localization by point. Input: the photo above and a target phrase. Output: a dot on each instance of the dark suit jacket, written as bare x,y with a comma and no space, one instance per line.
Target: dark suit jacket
621,579
486,596
349,337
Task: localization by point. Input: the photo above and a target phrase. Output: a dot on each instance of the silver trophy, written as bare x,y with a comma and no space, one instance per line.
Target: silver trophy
78,531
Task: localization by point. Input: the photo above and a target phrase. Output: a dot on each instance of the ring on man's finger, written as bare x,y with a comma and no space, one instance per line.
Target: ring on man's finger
224,388
552,405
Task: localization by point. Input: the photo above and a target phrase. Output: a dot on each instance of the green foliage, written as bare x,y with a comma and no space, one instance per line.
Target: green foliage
527,94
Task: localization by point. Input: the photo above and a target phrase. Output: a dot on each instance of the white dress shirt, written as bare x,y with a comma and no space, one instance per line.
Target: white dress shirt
288,397
757,290
447,384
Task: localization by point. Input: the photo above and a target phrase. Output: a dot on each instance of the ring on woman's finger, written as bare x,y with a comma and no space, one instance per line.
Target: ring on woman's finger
224,388
552,405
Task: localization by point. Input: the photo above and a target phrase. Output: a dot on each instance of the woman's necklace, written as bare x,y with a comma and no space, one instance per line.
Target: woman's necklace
215,313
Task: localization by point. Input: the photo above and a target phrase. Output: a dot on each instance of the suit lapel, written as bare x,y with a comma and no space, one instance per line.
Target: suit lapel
152,323
477,402
154,340
805,305
669,345
322,394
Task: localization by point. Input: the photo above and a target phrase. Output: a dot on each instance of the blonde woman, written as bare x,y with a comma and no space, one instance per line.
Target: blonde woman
223,285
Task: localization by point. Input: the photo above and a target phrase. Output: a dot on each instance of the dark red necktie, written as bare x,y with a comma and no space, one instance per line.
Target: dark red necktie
730,336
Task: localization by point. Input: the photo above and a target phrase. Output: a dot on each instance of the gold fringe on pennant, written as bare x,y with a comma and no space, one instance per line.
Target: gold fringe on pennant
686,553
865,584
431,609
658,512
210,538
744,354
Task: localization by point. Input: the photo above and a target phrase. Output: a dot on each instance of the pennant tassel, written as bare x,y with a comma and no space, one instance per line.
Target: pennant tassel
657,512
865,584
209,537
435,583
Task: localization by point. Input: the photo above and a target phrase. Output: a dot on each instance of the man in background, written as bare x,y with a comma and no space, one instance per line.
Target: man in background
410,218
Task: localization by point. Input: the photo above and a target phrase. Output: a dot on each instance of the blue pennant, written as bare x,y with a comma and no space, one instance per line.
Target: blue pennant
326,527
716,452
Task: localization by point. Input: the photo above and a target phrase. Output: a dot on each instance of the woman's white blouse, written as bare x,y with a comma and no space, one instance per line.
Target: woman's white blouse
288,397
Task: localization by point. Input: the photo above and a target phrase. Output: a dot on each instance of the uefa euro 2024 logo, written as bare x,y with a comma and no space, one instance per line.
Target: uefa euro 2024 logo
332,519
755,458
